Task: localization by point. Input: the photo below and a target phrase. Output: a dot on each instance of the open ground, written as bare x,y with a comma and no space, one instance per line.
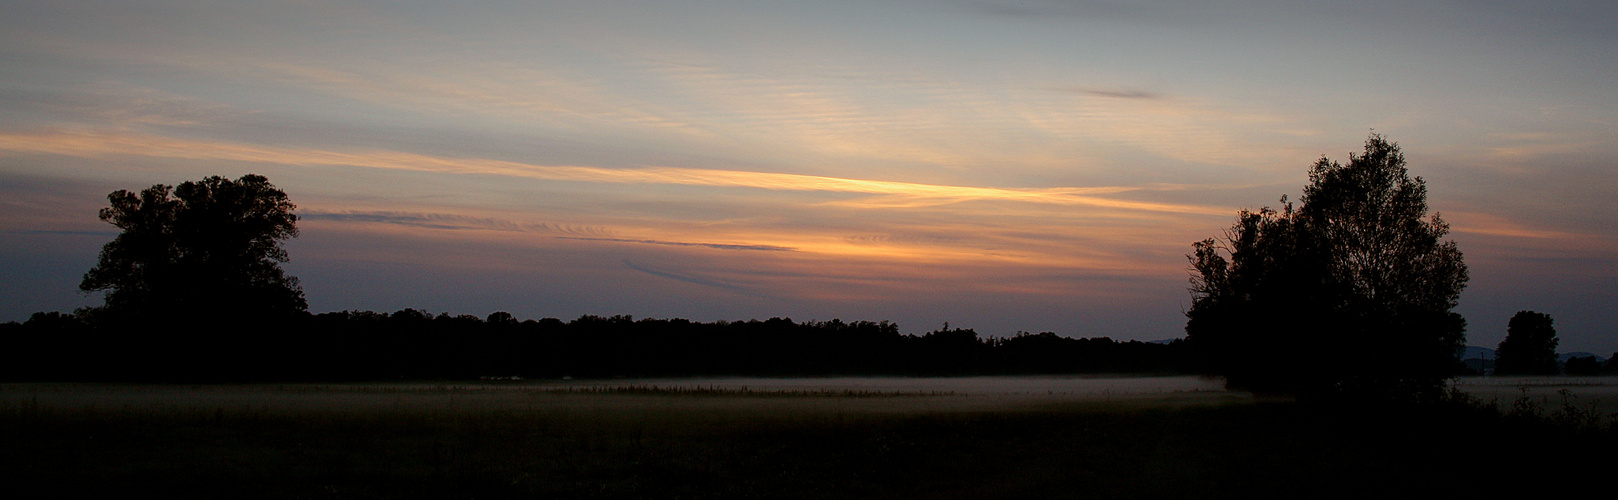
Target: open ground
991,437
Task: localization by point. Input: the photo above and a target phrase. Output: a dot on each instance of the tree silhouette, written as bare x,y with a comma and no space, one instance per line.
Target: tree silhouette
213,248
1350,292
1583,366
1529,347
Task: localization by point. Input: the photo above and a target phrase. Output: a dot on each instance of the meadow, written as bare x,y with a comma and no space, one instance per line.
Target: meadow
978,437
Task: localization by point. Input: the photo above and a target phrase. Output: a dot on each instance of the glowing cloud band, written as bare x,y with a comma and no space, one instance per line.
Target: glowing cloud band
101,144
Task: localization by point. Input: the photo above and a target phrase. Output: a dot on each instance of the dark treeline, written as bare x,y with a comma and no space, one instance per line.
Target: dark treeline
415,345
194,291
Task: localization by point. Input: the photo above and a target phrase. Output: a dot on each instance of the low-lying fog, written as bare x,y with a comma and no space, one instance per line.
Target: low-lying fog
648,396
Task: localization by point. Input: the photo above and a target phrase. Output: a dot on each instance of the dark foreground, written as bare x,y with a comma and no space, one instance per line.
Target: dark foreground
1216,450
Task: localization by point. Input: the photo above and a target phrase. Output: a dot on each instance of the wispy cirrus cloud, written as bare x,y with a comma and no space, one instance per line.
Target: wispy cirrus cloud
902,238
1125,93
452,221
101,234
716,246
692,278
447,221
891,193
1500,226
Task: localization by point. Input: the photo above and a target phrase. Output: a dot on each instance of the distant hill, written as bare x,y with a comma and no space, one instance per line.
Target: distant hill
1470,356
1478,359
1562,357
1473,352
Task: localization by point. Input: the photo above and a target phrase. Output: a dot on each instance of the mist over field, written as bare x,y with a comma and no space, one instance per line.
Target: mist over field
880,395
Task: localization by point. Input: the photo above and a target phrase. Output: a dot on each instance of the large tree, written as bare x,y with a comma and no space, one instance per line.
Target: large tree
1350,291
1529,347
206,248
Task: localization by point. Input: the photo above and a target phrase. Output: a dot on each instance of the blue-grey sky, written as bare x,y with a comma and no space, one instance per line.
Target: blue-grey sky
1000,165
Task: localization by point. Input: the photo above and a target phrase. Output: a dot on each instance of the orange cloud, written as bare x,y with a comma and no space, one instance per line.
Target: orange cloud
1493,225
851,237
895,194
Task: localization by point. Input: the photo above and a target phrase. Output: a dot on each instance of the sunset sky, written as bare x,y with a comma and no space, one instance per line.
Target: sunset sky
997,165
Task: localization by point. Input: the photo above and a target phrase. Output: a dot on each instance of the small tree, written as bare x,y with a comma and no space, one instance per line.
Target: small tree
1352,291
1529,347
213,248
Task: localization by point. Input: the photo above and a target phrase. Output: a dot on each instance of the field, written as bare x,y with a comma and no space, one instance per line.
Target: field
1599,393
993,437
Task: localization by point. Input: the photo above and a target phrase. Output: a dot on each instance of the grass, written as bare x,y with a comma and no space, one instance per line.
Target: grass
1229,451
632,389
678,390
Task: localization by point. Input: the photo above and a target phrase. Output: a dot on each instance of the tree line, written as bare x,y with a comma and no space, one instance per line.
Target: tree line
415,345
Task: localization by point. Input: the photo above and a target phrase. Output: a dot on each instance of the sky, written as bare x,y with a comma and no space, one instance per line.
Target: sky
1019,165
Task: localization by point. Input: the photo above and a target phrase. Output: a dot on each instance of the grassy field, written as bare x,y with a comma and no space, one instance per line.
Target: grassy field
567,441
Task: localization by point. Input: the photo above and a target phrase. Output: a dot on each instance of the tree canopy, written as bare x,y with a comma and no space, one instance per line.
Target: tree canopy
1350,291
207,247
1529,347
